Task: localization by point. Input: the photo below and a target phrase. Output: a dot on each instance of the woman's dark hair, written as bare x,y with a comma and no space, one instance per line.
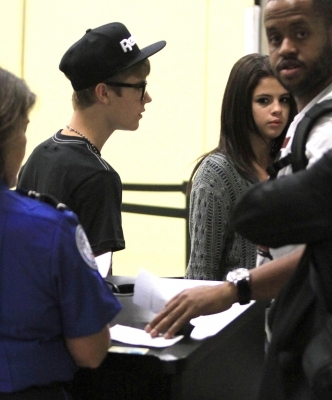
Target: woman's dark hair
237,121
16,100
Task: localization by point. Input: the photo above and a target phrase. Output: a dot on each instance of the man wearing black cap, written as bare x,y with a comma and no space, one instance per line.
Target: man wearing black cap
108,73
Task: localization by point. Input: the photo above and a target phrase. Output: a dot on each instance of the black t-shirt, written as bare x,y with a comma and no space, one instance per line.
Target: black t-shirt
67,168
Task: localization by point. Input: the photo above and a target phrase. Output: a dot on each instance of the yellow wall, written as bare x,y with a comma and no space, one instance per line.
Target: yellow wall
11,35
204,39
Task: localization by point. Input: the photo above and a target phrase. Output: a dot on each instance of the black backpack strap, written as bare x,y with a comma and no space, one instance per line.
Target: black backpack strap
275,167
297,155
299,159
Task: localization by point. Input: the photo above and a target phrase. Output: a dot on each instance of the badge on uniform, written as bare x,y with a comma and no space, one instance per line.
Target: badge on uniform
84,247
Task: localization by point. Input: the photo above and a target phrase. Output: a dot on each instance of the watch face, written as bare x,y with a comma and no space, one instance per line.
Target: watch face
241,277
238,275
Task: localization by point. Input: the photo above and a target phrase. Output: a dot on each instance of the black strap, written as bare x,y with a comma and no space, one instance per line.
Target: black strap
297,157
275,167
299,160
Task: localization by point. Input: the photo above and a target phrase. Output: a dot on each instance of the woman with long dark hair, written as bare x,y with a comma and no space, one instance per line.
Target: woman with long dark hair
255,115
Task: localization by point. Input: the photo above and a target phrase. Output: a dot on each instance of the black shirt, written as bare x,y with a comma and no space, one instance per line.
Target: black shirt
67,168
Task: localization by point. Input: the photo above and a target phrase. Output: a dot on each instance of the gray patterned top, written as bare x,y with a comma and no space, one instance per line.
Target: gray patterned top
214,250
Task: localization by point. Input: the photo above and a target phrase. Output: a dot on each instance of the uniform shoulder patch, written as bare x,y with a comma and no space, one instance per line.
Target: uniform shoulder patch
84,247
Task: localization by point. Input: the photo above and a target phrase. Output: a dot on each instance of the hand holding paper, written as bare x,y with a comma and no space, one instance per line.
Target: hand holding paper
152,292
177,307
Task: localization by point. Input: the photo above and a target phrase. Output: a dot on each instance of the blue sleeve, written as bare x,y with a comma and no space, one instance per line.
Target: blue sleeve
86,302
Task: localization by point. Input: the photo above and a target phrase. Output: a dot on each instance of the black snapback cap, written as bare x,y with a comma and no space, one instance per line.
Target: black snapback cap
102,53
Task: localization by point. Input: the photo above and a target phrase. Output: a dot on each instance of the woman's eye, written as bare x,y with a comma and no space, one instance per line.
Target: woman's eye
262,100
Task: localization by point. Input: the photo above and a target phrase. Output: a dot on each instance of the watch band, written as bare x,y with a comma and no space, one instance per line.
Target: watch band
241,279
244,291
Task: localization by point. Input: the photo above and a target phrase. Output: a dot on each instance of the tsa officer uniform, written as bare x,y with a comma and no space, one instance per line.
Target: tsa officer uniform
50,288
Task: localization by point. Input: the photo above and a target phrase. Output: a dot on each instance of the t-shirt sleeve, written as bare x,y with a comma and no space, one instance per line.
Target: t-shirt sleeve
98,204
290,210
86,302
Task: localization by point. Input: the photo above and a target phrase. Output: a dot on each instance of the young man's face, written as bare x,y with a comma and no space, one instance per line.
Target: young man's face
126,110
300,46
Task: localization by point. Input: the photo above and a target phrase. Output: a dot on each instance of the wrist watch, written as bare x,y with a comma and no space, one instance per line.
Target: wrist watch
241,279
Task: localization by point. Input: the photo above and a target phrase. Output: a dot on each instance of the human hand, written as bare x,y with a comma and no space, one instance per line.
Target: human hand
191,303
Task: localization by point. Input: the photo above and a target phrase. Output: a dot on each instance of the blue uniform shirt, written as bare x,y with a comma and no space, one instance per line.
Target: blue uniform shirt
50,288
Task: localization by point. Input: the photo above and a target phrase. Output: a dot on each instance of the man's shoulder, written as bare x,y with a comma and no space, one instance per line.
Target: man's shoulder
44,143
37,153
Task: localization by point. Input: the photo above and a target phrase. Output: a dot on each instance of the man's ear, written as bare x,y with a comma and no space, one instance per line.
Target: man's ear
102,93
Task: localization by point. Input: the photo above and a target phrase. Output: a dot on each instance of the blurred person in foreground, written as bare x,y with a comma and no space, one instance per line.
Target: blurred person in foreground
55,306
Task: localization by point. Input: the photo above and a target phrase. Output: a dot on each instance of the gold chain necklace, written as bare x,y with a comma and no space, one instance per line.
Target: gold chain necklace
94,148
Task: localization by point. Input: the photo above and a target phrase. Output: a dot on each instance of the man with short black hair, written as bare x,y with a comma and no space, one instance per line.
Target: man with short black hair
108,73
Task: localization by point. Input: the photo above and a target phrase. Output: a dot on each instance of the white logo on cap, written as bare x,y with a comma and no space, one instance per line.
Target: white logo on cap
127,44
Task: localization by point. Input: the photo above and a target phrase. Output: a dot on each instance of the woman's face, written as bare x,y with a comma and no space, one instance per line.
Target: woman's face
14,151
270,108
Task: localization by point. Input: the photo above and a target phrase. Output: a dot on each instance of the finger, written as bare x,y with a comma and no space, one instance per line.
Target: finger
169,307
178,324
172,323
156,320
161,323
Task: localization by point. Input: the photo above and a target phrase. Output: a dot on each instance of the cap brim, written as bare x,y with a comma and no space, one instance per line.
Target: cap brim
147,52
153,49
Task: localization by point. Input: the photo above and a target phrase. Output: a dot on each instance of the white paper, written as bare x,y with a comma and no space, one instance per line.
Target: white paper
209,325
152,293
139,337
104,263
